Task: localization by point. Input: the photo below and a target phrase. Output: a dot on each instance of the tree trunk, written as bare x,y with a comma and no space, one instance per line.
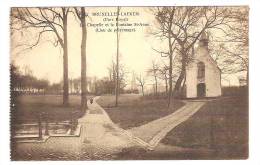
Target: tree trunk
117,60
183,91
83,61
170,72
156,85
170,82
65,64
247,77
166,85
177,87
70,89
142,89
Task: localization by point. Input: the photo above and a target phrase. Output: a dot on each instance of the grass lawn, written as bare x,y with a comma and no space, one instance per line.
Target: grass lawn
134,110
28,107
221,125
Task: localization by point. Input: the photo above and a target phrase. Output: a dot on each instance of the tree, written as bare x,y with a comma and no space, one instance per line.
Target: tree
182,27
165,25
55,88
231,52
71,85
15,76
112,71
113,75
141,80
77,84
81,13
163,74
41,84
117,87
133,84
26,82
154,71
45,21
104,86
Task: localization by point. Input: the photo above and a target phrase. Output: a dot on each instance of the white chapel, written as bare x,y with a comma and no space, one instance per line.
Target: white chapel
203,76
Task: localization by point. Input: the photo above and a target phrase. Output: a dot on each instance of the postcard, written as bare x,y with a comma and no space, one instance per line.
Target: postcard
129,83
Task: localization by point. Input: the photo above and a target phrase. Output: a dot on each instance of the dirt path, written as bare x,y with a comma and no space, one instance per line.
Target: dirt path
155,131
99,130
150,134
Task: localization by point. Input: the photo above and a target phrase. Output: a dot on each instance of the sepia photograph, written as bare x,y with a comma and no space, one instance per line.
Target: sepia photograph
129,83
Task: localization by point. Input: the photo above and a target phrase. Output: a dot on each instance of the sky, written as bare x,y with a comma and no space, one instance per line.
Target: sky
45,60
136,52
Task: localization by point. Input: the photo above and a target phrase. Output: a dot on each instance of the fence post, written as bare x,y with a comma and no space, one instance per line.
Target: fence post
40,125
71,123
46,125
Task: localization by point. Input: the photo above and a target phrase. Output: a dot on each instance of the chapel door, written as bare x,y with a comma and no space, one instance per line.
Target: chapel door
201,90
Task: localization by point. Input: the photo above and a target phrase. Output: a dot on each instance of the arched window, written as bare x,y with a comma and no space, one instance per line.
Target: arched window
201,70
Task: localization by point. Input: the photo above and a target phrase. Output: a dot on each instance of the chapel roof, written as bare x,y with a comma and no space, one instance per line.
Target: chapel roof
204,36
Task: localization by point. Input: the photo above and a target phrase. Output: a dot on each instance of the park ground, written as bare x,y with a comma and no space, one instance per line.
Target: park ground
134,110
219,130
28,108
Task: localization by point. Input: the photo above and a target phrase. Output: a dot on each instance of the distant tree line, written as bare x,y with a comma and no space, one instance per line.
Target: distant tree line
27,82
107,86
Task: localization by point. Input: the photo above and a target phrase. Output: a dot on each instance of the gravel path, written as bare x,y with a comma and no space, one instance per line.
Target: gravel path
155,131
